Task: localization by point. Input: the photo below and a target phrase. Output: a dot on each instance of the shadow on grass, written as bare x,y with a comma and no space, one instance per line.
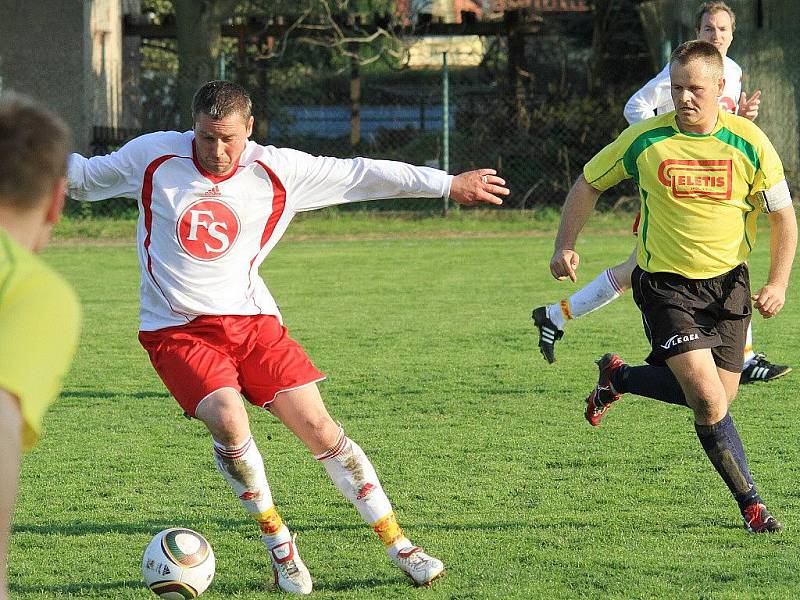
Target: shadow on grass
119,394
238,526
360,584
245,527
349,585
77,588
82,528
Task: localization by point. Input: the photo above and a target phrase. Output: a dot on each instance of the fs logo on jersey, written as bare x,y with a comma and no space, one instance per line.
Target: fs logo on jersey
207,229
727,104
696,178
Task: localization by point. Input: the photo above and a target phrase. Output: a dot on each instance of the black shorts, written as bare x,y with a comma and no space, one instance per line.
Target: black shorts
681,314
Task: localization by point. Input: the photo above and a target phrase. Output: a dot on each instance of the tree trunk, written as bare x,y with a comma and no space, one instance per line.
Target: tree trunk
197,26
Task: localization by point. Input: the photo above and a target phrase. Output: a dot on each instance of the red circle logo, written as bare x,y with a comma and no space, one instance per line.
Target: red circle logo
208,229
727,104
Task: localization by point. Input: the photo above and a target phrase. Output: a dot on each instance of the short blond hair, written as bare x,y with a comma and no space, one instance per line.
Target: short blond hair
34,144
710,8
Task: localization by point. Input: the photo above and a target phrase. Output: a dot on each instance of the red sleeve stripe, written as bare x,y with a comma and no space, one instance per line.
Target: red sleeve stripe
278,205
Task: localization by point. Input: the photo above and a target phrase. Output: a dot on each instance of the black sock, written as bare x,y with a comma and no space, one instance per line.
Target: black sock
724,448
651,382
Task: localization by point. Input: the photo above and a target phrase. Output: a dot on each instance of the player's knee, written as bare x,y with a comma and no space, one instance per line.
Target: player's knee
320,431
225,417
710,407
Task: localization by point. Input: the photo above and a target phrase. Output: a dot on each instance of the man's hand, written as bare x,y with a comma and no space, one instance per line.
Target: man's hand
749,108
564,264
770,299
482,185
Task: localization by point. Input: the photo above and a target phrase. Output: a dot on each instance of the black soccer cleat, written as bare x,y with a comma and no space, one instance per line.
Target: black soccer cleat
758,520
549,334
760,369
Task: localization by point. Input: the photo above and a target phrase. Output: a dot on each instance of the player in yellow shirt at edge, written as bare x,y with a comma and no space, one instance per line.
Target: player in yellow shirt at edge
39,312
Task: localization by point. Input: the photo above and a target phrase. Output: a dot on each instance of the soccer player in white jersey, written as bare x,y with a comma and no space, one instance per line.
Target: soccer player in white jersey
716,23
212,205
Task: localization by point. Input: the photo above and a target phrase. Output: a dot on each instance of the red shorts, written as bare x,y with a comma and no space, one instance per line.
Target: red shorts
251,354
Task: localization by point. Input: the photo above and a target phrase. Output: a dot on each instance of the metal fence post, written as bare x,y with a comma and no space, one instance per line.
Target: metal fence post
445,125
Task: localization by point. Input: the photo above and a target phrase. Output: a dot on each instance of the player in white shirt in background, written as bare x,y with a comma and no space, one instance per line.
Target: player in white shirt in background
212,205
716,23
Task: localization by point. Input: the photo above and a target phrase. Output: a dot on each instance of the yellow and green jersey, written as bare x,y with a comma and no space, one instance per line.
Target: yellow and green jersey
698,210
39,326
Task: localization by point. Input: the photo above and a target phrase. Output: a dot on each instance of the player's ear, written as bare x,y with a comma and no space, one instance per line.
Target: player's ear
56,201
721,85
250,122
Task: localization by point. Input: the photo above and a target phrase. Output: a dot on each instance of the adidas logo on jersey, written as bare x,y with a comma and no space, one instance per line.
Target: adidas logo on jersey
213,192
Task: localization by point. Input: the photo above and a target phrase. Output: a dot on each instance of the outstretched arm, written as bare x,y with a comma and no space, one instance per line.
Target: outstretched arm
643,104
121,173
10,451
769,300
314,182
577,208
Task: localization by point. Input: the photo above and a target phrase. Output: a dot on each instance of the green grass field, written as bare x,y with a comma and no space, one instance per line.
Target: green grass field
482,446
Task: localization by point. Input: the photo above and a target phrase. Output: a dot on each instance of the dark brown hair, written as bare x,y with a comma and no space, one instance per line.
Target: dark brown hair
34,144
220,99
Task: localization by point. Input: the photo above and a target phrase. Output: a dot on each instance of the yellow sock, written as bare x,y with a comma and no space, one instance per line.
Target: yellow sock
269,521
388,529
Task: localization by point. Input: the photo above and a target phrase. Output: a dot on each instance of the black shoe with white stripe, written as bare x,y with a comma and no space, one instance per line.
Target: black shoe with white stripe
549,334
760,369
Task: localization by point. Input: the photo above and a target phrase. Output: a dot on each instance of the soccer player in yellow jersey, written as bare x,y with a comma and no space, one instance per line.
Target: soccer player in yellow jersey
716,23
39,312
703,175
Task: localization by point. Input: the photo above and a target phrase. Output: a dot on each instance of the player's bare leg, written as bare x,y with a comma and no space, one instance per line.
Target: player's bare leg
709,391
240,463
603,289
304,413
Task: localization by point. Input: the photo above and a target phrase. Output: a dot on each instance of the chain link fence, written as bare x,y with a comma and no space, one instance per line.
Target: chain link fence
537,131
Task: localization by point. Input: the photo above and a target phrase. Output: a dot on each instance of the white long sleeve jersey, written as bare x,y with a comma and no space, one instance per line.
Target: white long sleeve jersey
655,96
201,238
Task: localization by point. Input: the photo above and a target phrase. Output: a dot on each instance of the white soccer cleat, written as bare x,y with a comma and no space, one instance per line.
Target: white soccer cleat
291,574
420,567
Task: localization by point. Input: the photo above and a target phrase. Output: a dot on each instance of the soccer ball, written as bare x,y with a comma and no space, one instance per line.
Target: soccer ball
178,564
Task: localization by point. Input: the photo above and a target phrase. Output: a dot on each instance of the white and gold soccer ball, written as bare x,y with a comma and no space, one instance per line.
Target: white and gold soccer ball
178,564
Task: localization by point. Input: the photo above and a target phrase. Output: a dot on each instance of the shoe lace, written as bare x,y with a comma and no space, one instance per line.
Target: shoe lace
289,567
416,558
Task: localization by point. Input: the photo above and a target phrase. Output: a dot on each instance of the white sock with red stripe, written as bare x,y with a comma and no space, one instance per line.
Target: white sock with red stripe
354,476
243,469
749,355
599,292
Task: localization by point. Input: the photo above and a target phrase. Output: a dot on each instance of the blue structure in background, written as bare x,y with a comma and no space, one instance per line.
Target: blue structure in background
334,121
